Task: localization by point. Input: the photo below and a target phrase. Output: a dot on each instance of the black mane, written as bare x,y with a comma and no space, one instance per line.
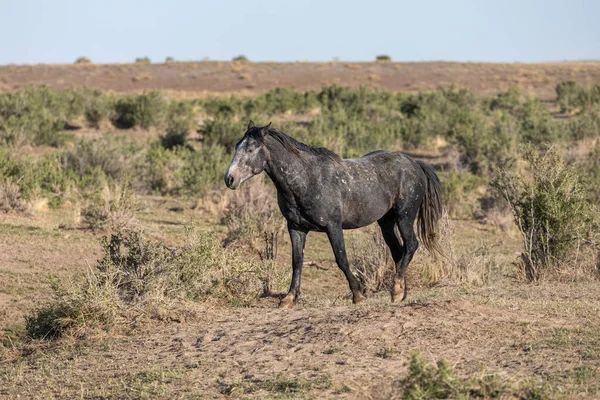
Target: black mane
292,145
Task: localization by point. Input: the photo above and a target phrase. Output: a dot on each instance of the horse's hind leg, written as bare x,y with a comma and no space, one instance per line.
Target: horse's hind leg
388,225
411,244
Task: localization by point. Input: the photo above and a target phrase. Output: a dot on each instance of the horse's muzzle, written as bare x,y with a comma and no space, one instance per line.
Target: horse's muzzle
230,181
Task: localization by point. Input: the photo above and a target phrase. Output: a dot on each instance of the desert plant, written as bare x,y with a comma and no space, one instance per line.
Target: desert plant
83,60
590,173
427,381
141,276
383,58
143,60
567,93
372,263
549,208
180,120
10,196
114,156
241,59
252,210
169,60
98,107
145,110
115,208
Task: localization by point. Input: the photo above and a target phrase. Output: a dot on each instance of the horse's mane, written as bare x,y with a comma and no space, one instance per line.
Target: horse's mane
293,146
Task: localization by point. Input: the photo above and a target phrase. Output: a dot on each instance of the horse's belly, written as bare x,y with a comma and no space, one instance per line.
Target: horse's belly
364,209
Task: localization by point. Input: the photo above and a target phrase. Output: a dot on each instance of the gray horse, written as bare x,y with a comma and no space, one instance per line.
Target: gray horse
319,191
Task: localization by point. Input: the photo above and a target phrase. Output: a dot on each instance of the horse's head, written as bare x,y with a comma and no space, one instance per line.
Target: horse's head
250,156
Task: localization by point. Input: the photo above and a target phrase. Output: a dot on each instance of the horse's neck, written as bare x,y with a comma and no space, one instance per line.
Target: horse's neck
288,172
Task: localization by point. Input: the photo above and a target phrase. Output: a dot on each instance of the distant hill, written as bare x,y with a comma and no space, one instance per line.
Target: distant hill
249,77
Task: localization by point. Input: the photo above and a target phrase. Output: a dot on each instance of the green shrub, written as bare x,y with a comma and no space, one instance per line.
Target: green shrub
586,126
98,107
550,210
145,110
241,58
567,93
182,171
537,124
572,96
383,58
180,120
115,156
83,60
37,115
509,100
427,381
590,174
25,179
169,60
143,60
459,187
222,131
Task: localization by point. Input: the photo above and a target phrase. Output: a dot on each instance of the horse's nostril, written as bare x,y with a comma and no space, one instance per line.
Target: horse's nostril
229,180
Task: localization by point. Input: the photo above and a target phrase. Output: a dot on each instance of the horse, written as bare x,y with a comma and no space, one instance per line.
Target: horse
319,191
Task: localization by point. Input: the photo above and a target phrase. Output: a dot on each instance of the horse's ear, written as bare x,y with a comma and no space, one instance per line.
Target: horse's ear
251,125
265,129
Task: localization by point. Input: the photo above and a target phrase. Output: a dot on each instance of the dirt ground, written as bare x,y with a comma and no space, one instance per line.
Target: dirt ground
197,78
324,348
545,335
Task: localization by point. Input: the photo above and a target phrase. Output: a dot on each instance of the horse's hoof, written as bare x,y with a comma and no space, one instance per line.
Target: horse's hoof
398,293
358,298
287,302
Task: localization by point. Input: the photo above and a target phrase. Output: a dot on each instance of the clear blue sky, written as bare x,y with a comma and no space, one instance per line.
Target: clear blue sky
59,31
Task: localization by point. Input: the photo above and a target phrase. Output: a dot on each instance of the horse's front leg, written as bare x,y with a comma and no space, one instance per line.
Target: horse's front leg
336,238
298,239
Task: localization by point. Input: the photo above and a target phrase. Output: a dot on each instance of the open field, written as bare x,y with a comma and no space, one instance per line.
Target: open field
224,77
76,166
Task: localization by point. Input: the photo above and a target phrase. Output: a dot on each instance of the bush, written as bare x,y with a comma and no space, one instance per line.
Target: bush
83,60
549,208
144,110
251,211
114,208
590,174
458,191
180,120
572,96
567,93
143,60
427,381
383,58
169,60
10,196
38,115
115,157
372,262
98,107
25,179
181,171
241,58
586,126
138,276
222,131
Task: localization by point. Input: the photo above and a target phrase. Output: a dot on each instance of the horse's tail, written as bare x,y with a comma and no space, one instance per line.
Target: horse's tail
430,210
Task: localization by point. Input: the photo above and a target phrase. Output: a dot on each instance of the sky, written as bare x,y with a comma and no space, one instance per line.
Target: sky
118,31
